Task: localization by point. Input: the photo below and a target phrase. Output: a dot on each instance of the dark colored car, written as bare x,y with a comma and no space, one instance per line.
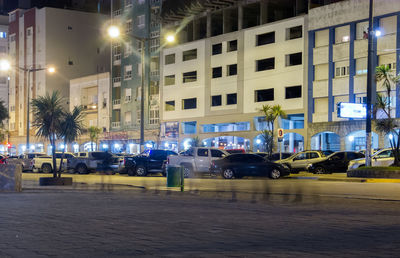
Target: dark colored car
240,165
150,161
3,159
232,151
336,162
274,156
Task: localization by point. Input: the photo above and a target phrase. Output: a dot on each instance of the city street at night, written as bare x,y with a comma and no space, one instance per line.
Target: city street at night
315,218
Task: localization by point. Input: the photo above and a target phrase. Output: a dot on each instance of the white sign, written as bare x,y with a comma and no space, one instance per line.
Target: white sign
352,110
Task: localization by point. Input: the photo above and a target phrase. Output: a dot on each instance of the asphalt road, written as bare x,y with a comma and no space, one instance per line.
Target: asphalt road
258,188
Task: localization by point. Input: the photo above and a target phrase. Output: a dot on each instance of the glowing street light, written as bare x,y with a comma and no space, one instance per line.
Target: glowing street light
170,38
113,32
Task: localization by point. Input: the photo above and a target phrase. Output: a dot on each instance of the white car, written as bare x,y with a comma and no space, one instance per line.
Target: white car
382,158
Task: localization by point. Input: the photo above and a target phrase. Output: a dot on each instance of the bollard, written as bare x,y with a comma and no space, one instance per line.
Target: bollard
175,177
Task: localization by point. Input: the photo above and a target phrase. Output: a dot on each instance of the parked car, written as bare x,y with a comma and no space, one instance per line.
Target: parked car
232,151
3,159
26,160
300,161
240,165
196,159
274,156
336,162
45,163
382,157
86,162
150,161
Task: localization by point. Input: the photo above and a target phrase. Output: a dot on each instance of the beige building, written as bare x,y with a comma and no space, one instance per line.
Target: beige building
93,94
70,41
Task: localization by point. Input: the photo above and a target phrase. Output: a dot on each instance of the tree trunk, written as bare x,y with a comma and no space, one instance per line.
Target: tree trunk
53,152
62,159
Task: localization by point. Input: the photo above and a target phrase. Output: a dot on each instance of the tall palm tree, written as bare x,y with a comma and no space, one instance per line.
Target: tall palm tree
387,124
70,128
3,113
94,135
47,114
271,113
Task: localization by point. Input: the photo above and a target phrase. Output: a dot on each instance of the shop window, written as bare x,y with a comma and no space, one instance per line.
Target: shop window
189,127
294,121
226,127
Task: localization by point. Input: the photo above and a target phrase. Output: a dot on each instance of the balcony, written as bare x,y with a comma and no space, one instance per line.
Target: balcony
117,13
155,73
116,103
89,108
115,124
128,123
117,59
117,81
128,99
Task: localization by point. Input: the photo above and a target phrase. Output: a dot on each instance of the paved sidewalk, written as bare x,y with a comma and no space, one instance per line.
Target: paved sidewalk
170,224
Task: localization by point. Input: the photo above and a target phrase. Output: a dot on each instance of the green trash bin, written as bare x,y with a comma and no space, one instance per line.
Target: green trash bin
174,176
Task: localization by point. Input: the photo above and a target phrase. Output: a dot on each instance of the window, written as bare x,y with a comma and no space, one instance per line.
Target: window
3,35
293,121
170,105
189,127
217,153
190,77
202,152
264,95
226,127
265,64
128,3
12,38
189,55
170,59
216,100
294,59
217,72
232,45
154,117
313,155
128,72
29,31
294,32
231,99
217,49
361,66
128,26
141,21
189,103
128,96
341,71
293,92
266,38
128,118
231,69
169,80
69,27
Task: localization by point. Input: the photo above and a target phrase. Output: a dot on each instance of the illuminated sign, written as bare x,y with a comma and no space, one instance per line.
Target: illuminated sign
352,110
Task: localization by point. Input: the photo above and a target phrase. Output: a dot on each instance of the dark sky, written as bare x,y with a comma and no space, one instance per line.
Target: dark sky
83,5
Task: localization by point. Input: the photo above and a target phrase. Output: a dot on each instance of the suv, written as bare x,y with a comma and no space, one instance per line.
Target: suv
300,161
85,162
383,158
149,161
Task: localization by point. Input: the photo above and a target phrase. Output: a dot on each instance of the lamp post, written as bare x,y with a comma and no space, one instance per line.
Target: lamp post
4,66
114,32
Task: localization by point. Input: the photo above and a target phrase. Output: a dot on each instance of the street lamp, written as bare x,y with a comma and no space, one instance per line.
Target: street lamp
114,33
5,66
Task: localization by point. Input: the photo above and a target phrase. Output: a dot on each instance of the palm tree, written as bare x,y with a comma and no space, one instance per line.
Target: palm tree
70,129
387,123
3,113
47,114
271,113
94,134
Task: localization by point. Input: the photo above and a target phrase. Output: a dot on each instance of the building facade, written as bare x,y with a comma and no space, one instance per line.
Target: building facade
140,18
92,93
227,65
337,69
40,38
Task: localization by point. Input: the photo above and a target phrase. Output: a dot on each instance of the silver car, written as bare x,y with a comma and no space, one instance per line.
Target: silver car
381,158
300,161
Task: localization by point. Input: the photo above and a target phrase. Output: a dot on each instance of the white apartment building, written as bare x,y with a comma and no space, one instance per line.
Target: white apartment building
70,41
3,55
337,69
93,94
214,88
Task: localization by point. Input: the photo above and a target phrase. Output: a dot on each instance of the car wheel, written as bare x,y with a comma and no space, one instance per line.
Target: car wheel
320,170
81,169
275,173
228,173
46,168
187,172
141,171
130,171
